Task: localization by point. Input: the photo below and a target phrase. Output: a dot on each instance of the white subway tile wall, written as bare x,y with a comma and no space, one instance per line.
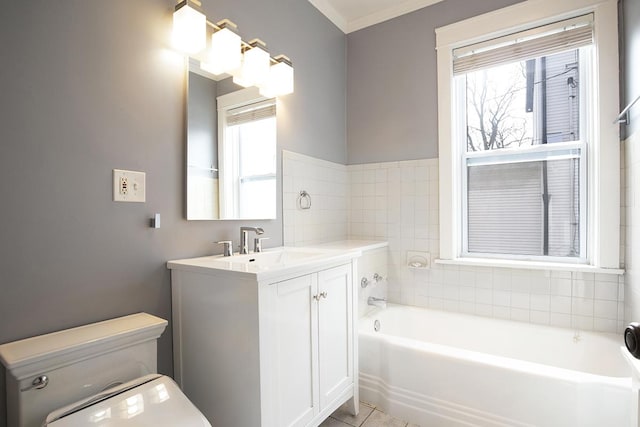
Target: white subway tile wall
630,220
403,209
398,202
327,185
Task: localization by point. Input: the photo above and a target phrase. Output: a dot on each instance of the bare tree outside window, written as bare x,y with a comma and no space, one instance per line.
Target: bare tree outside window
496,116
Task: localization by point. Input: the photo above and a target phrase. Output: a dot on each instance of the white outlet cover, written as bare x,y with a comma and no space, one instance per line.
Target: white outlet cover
135,182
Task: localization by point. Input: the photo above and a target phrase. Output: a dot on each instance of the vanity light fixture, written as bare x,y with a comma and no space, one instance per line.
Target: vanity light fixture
280,81
255,65
189,27
225,53
248,63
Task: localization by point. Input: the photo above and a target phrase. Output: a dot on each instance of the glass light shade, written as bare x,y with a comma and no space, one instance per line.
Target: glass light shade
225,54
255,67
238,77
280,81
189,29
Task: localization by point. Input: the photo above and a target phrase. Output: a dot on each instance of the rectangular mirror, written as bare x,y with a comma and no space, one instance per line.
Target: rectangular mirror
231,150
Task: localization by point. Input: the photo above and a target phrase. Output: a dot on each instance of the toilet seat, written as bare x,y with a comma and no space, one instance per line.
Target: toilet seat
152,400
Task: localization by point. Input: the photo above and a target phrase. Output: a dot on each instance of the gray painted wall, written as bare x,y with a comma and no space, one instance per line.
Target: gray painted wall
202,124
92,86
391,83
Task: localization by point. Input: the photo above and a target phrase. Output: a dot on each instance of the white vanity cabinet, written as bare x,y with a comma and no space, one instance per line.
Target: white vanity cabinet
309,334
272,350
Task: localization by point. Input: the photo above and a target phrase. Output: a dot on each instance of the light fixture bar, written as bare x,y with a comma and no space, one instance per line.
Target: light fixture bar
282,59
248,62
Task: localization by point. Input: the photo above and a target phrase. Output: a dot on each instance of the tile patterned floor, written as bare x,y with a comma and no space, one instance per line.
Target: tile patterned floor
369,416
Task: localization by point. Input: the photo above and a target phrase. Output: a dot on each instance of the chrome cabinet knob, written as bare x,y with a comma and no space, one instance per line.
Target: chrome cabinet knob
320,295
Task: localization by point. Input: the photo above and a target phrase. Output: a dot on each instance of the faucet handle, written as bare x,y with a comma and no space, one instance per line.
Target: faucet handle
257,243
227,248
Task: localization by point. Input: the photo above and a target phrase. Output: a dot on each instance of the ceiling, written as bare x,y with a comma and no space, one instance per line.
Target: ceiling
353,15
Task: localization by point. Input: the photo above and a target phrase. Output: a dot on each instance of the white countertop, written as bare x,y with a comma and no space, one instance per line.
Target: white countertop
242,267
237,266
350,245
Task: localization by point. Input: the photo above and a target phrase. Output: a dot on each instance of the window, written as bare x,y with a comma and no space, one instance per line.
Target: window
524,150
524,135
248,156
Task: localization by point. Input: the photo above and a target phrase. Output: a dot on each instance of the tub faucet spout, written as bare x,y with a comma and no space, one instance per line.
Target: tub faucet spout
378,302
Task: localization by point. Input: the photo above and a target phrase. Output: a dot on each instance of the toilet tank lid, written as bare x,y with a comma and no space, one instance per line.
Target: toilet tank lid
38,354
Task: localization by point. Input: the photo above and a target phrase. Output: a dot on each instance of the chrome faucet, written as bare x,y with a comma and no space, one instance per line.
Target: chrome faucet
378,302
257,244
227,249
244,238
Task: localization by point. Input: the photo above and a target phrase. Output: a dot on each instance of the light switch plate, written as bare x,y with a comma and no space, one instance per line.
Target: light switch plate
128,186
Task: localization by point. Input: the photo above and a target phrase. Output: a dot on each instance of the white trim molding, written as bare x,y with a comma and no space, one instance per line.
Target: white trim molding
326,8
387,13
349,24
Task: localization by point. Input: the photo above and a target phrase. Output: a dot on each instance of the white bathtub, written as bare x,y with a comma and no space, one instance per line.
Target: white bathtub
437,368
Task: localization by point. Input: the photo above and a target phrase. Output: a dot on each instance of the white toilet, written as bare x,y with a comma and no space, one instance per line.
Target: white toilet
102,374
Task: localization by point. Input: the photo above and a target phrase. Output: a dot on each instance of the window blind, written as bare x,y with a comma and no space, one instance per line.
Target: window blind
251,113
536,42
505,207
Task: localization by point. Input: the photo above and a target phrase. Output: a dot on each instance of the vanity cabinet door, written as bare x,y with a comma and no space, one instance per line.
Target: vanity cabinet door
292,316
307,335
335,325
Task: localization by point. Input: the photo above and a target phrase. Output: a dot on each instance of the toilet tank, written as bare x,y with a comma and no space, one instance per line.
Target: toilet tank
49,371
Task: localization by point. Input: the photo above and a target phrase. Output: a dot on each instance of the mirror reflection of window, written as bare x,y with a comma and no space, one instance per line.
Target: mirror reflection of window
248,188
248,156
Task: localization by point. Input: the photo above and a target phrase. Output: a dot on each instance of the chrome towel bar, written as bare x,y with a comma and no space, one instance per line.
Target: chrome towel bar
623,117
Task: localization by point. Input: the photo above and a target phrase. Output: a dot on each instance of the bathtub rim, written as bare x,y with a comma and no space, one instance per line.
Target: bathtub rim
494,360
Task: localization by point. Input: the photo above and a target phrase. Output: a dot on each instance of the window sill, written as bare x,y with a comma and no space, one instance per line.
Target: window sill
528,265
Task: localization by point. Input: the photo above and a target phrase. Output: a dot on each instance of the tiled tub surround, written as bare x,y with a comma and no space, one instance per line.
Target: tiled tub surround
631,219
398,202
374,260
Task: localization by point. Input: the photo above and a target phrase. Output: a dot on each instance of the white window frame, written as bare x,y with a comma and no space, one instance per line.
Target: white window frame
529,154
227,182
603,150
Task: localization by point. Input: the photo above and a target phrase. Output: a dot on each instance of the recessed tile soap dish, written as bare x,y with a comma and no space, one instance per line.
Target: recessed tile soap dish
418,260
